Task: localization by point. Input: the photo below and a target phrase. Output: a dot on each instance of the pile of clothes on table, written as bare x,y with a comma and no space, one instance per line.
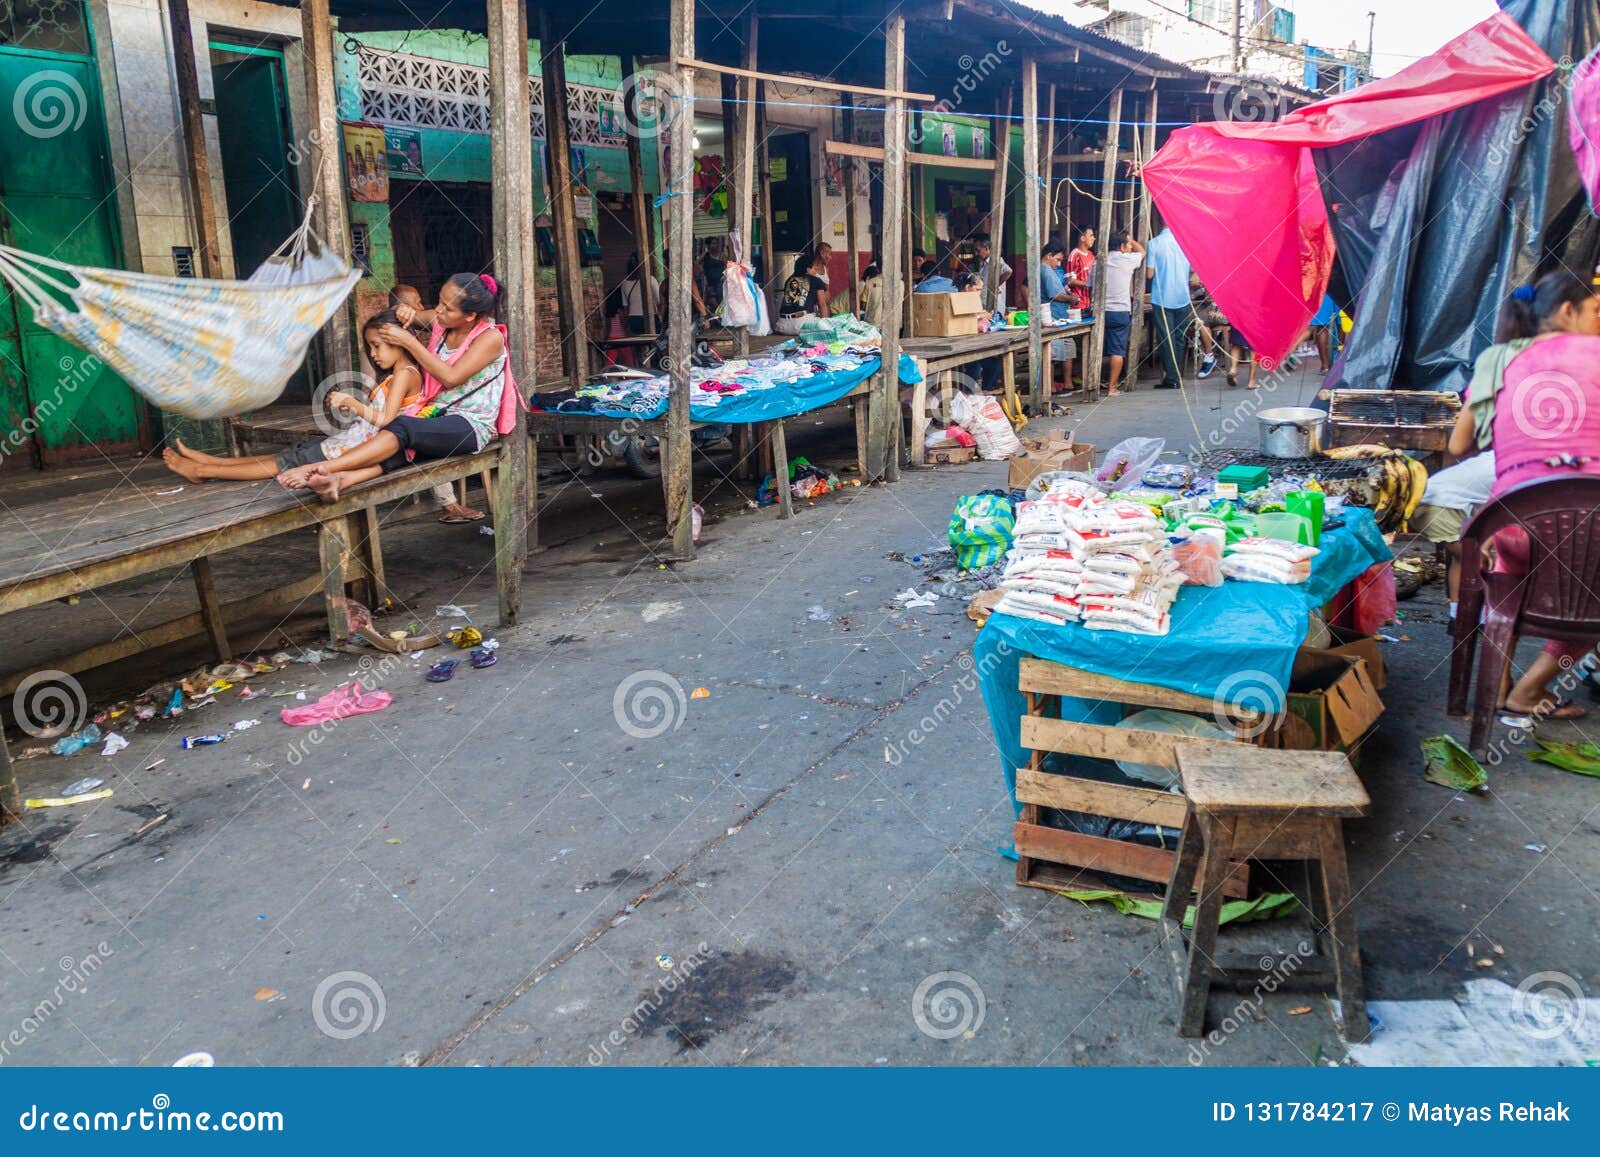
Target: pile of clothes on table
1077,556
778,367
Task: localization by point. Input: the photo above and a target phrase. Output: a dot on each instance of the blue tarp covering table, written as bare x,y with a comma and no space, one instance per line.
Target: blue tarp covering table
1240,637
781,401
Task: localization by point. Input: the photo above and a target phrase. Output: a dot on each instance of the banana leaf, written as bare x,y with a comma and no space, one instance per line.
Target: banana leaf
1448,764
1581,758
1267,906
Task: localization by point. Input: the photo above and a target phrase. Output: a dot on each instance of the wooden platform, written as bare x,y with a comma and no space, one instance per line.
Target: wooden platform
63,547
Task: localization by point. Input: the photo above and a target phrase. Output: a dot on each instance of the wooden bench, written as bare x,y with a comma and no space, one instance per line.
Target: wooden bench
1251,803
64,547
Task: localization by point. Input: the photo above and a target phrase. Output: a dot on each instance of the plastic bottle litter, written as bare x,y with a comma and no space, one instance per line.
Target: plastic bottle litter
77,741
81,786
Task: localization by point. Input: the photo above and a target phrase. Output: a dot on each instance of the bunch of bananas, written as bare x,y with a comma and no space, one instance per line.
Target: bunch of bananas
1394,483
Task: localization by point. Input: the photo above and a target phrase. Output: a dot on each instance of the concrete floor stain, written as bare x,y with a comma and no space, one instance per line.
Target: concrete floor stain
722,993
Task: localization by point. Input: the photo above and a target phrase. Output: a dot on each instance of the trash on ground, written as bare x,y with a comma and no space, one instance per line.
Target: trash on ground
1448,764
245,724
451,611
819,614
910,599
266,994
114,743
68,801
148,824
700,693
1267,906
465,638
340,703
192,741
1581,758
1533,847
82,786
77,741
195,1061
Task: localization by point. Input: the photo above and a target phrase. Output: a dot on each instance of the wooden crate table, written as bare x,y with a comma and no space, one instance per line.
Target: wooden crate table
1049,857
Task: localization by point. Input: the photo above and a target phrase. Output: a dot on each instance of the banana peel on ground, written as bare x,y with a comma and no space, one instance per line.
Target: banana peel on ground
1267,906
1448,764
1580,758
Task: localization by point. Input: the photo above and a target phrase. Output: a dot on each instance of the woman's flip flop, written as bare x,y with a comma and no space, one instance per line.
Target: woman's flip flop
442,671
483,657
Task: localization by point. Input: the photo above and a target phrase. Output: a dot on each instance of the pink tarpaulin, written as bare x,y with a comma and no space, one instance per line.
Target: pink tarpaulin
1243,198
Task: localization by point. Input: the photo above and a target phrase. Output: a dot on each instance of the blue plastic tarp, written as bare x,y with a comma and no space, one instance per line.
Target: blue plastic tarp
1240,637
782,401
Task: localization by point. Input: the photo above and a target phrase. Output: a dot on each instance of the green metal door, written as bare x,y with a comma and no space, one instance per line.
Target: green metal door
253,132
56,199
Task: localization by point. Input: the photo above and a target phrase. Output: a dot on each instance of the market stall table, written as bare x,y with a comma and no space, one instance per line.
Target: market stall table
1230,652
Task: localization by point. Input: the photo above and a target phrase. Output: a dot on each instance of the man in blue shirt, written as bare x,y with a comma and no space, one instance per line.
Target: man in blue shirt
1167,271
1053,288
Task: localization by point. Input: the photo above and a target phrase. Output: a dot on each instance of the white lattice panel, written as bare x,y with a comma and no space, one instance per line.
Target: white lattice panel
420,92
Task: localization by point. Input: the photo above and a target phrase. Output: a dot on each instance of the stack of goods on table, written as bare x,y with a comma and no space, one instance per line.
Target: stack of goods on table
780,366
1078,556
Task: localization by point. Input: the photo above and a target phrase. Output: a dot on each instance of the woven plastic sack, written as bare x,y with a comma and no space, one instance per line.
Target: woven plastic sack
980,530
986,420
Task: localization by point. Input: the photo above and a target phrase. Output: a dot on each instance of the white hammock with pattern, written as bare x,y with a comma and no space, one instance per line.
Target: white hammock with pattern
199,348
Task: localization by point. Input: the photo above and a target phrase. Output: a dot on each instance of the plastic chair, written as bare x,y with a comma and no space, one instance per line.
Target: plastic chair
1554,599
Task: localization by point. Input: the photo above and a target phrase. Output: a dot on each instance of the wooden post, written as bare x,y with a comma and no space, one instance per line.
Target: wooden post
511,162
1142,233
643,236
747,172
771,275
848,166
563,206
196,161
1108,194
331,216
883,404
1033,243
678,469
1000,135
734,177
1052,200
10,798
210,609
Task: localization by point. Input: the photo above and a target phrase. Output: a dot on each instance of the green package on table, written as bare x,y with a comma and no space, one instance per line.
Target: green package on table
1246,478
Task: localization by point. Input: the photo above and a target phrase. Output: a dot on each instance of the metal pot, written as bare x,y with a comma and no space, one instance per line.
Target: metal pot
1292,431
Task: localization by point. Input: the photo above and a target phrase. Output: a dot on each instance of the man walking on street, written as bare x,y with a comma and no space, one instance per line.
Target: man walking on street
1167,270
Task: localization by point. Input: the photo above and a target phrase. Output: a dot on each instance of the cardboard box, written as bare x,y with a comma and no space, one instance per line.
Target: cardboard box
946,314
1043,455
1331,704
1347,641
953,454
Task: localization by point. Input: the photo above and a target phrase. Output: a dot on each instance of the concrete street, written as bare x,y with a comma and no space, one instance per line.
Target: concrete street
509,876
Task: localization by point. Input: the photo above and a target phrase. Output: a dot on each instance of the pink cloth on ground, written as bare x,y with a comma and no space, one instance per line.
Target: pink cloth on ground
340,703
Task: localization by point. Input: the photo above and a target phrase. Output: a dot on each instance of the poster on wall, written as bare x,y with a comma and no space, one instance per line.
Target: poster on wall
832,175
980,143
947,137
404,149
366,166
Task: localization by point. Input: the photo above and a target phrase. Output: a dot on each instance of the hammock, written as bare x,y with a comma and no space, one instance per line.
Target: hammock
199,348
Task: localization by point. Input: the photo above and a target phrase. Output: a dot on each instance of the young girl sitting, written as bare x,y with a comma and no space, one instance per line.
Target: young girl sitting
468,394
401,386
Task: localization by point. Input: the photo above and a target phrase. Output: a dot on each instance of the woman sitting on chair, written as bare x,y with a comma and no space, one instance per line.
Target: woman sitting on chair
467,395
1541,408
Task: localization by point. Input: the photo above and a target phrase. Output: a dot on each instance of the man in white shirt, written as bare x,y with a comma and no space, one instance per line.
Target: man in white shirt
1120,267
632,291
985,254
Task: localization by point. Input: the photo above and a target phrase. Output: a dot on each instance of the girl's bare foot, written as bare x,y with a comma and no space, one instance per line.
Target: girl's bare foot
294,479
178,464
323,483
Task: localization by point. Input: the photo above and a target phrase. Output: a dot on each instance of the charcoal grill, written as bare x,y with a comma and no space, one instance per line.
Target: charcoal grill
1327,469
1400,419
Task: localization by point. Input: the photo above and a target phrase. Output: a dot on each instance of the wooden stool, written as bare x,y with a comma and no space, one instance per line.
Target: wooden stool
1248,802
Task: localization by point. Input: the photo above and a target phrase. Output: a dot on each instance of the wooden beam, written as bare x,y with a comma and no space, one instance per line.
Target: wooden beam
678,469
883,404
643,234
806,81
331,216
771,275
1047,149
1093,356
848,117
1142,233
512,183
734,177
196,160
563,205
1000,138
205,588
10,798
944,162
1033,243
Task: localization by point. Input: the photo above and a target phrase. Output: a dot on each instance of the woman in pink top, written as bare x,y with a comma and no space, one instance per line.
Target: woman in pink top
1546,424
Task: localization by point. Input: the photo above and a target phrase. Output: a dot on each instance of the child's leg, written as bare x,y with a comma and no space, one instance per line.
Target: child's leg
231,469
194,455
329,484
1250,383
